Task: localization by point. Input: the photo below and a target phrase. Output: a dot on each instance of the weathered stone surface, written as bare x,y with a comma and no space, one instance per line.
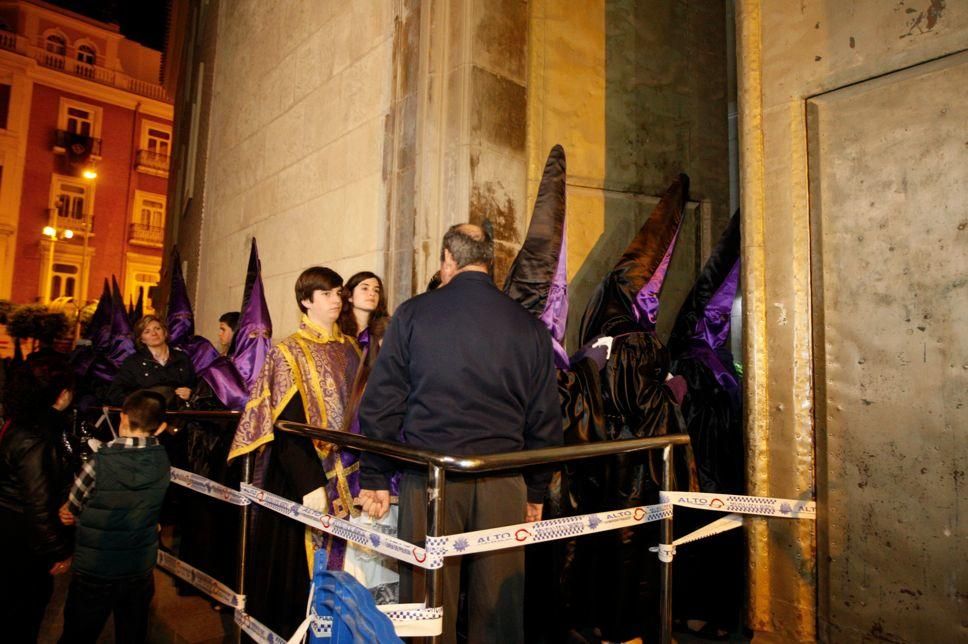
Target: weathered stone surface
299,100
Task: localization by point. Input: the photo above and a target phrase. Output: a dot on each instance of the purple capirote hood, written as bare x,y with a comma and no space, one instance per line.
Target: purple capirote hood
181,319
647,299
253,337
122,341
555,313
714,325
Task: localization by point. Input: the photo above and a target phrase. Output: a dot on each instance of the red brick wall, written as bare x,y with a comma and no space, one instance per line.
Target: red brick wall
113,194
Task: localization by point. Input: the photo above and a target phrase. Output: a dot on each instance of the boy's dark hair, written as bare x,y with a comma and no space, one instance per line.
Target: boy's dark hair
315,278
231,320
145,410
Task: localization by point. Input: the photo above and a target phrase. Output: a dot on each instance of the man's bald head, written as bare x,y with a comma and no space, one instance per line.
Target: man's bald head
466,246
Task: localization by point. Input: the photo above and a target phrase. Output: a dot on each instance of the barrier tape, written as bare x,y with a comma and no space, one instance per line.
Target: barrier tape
409,620
207,486
382,543
549,530
255,629
758,505
728,522
205,583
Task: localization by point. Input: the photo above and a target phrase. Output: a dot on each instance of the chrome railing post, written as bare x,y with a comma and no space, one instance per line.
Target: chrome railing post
247,463
665,567
433,584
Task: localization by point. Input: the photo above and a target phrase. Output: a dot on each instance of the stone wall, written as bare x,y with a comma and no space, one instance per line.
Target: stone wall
636,93
789,52
295,153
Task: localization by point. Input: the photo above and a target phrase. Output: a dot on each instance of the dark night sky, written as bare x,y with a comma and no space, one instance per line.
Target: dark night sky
144,21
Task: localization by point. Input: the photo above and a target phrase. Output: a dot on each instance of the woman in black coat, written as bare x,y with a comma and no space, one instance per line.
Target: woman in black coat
33,484
154,365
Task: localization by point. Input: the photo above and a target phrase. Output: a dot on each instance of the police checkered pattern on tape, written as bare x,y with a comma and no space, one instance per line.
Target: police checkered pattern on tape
322,627
540,531
205,583
382,543
208,487
738,503
255,629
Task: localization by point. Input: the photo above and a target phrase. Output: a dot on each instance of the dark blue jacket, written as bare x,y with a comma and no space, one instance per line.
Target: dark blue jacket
463,369
117,534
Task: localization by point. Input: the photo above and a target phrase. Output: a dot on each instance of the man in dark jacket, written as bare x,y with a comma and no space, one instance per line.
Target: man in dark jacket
465,370
33,544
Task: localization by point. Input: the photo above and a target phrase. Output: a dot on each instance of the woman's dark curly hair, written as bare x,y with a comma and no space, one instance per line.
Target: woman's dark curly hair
347,321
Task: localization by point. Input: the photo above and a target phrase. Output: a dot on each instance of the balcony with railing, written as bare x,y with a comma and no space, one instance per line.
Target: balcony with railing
150,162
144,235
76,145
78,223
70,63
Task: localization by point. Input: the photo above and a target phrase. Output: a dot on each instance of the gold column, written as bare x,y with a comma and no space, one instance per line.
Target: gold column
778,369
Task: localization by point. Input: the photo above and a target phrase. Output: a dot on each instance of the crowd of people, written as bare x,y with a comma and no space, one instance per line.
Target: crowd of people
465,368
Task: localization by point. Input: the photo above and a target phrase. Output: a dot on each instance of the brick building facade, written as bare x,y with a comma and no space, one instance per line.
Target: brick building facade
85,156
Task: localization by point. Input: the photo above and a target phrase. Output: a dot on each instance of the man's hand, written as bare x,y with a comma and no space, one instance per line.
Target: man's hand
65,516
61,567
532,512
316,500
376,503
183,392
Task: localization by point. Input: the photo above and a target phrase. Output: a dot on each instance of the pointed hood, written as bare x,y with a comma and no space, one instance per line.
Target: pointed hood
705,314
121,342
253,337
181,320
538,278
98,332
138,310
98,329
628,298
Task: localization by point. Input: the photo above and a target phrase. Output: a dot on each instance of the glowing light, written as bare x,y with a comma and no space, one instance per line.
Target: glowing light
68,234
50,231
90,173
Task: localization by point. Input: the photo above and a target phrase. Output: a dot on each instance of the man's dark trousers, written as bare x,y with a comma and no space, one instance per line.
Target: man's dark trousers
91,600
495,592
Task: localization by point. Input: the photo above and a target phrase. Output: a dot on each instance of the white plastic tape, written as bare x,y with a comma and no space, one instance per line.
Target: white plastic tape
208,487
382,543
728,522
409,620
256,629
540,531
205,583
759,505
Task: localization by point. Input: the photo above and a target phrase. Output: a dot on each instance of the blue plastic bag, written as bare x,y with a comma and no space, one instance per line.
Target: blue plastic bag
355,616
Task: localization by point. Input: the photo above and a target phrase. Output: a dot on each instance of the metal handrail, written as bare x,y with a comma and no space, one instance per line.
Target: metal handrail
438,463
198,414
486,462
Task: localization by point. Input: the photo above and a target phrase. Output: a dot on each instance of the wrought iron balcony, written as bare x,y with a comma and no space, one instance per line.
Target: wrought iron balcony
79,223
151,162
142,235
77,145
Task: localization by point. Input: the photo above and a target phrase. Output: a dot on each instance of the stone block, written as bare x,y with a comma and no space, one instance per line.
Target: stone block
364,149
365,87
498,110
500,37
362,222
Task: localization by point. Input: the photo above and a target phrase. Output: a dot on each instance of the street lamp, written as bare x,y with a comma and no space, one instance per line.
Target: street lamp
54,235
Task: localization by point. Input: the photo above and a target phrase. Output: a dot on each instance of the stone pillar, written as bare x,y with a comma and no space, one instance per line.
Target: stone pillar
471,117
